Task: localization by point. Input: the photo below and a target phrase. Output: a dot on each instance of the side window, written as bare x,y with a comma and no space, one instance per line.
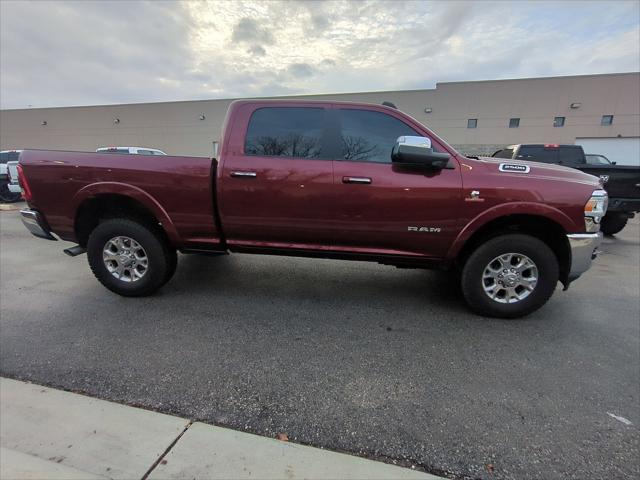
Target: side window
285,132
538,154
370,136
145,152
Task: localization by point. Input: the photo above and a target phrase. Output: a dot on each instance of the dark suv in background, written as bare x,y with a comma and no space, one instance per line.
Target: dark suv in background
622,182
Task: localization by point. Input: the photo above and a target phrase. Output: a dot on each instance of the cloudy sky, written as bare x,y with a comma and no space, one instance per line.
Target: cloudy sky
83,53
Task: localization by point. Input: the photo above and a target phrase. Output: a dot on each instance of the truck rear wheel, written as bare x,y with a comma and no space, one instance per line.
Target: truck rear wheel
613,223
509,276
130,258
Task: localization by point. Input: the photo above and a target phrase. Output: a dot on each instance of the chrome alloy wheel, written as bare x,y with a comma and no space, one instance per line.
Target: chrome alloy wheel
125,259
510,278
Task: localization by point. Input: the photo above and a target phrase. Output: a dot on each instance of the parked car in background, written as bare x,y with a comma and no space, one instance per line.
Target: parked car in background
8,193
131,150
597,159
324,179
622,182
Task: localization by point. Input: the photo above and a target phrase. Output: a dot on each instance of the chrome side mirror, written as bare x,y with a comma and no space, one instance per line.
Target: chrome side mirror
413,151
421,142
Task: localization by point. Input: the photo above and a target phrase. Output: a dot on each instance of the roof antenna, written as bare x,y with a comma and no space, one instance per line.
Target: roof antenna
389,104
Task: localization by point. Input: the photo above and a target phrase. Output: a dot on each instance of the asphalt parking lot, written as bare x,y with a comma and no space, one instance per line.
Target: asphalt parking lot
348,356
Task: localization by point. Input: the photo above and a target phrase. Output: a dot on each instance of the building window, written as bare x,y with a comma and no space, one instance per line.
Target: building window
472,123
606,120
514,122
558,122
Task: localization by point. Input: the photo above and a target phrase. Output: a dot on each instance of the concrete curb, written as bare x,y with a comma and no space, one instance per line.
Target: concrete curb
48,433
9,207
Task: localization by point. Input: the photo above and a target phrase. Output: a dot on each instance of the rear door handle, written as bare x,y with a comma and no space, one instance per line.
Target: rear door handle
244,174
362,180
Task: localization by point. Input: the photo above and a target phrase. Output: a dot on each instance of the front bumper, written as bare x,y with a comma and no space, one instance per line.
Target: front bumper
14,187
33,220
584,248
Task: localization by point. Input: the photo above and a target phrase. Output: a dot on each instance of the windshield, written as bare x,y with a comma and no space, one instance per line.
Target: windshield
504,153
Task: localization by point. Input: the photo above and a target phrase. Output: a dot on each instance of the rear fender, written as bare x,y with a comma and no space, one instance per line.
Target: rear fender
126,190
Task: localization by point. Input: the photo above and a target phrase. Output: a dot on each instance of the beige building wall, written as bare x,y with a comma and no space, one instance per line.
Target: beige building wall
176,127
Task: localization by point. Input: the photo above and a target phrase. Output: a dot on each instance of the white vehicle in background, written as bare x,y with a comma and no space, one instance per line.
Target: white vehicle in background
9,189
131,150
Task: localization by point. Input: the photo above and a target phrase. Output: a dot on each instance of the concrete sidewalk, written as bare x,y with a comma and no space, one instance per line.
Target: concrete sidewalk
52,434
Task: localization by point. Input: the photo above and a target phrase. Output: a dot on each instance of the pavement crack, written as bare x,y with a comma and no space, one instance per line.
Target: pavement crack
168,449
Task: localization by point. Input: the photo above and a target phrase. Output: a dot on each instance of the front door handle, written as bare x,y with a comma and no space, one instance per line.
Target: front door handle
362,180
244,174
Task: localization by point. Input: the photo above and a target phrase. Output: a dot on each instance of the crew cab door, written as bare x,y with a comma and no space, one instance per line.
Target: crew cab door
275,182
384,209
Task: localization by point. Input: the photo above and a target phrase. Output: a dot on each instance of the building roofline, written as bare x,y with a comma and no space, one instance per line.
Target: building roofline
301,95
559,77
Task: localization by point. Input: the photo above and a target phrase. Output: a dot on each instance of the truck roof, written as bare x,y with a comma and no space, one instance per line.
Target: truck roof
306,102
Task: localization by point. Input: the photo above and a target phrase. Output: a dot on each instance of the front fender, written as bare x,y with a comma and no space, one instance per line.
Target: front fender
508,209
116,188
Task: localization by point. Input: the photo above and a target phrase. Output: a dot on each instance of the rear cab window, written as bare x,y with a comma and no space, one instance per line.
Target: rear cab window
294,132
569,155
538,153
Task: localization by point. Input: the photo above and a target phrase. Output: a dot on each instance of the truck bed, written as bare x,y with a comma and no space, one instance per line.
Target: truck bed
177,190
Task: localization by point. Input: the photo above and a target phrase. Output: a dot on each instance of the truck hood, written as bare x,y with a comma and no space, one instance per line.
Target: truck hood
538,170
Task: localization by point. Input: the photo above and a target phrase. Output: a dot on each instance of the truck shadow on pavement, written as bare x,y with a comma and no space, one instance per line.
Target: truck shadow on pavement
254,278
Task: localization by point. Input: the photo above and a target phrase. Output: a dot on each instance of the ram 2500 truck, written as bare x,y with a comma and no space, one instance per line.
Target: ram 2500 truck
323,179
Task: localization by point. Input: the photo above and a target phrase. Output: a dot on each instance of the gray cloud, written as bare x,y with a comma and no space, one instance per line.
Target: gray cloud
300,70
257,50
79,53
250,31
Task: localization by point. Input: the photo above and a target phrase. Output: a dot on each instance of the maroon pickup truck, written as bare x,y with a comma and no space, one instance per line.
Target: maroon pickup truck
323,179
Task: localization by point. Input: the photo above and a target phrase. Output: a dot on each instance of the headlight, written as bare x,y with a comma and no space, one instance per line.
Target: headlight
595,209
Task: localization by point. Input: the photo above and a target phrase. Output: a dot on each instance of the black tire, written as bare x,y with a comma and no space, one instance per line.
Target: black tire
472,275
6,195
161,257
173,265
613,223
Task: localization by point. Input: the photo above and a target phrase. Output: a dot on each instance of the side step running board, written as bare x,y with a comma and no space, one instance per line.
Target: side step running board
75,251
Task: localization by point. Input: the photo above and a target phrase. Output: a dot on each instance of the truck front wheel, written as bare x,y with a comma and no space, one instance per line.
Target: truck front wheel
130,258
613,223
509,276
